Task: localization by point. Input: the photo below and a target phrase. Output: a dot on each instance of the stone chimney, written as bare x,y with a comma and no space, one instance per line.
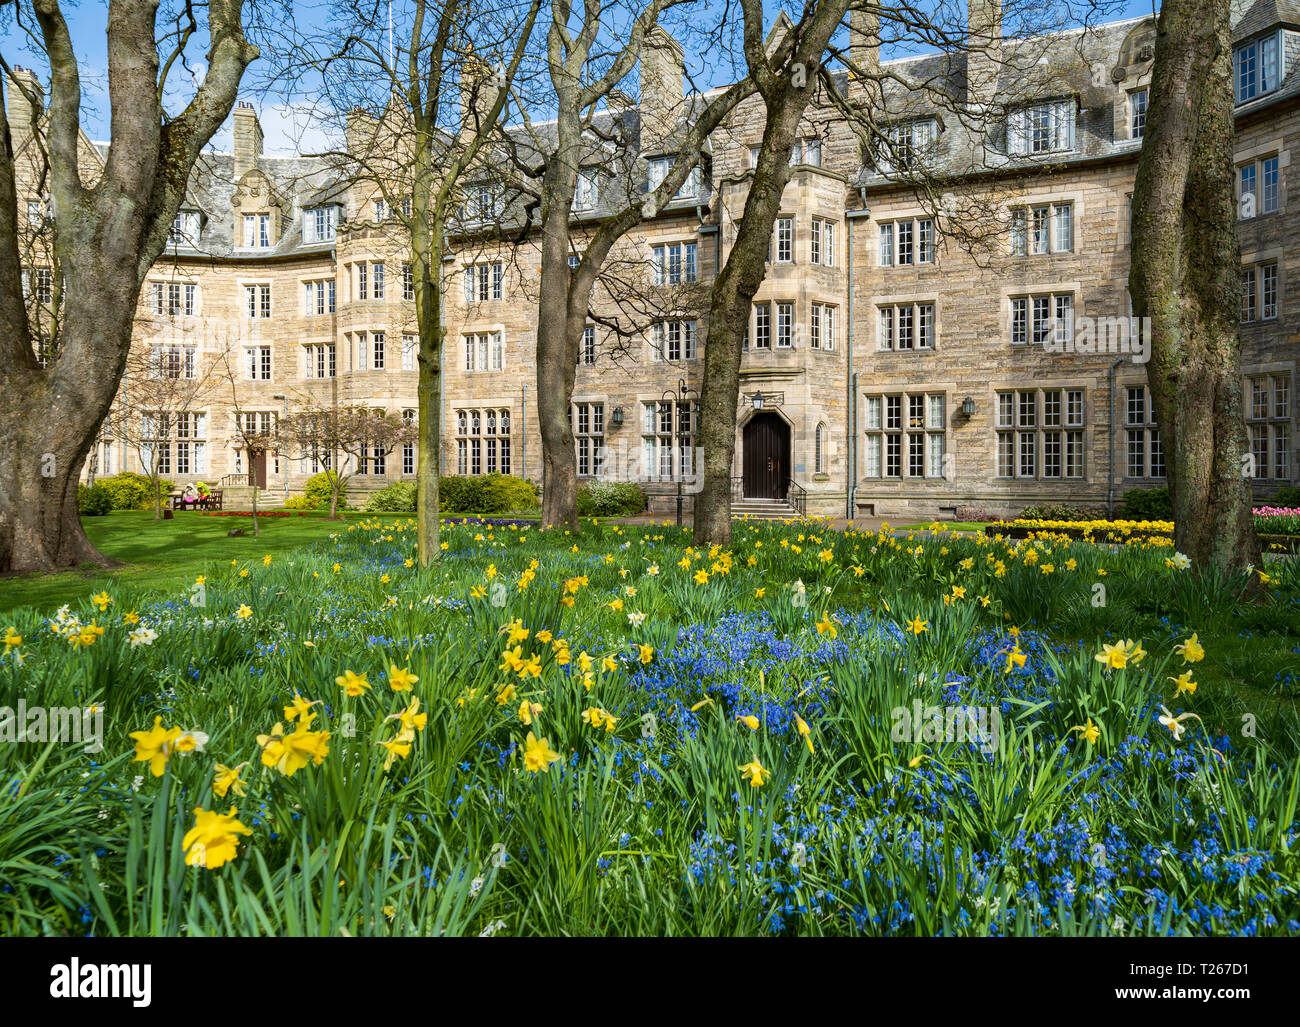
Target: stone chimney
663,69
248,139
864,51
984,51
478,92
18,109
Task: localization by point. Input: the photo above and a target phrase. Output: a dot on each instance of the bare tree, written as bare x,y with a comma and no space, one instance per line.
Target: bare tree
159,410
105,237
1186,277
588,163
785,77
422,104
322,434
798,91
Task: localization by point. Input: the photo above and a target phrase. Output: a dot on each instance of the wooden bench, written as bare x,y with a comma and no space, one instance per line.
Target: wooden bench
212,501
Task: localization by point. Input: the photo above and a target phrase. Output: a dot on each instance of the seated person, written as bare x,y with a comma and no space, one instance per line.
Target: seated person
189,497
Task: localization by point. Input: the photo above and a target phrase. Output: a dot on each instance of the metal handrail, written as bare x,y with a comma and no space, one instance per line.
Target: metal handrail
797,496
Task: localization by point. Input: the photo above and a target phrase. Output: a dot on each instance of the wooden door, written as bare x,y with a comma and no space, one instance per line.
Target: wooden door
259,469
766,457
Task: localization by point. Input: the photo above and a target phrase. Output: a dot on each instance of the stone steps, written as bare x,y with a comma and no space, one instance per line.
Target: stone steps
763,510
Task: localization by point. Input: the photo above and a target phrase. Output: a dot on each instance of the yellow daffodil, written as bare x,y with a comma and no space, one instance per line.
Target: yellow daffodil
749,720
400,679
227,779
916,625
1191,650
755,772
801,726
213,841
352,684
538,754
155,745
1089,732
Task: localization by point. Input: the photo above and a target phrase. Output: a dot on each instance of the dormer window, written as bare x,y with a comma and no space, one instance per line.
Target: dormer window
905,144
1042,128
257,231
185,228
659,168
318,224
1257,67
584,196
484,201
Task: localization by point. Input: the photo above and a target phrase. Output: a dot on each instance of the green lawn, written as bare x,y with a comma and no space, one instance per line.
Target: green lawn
166,555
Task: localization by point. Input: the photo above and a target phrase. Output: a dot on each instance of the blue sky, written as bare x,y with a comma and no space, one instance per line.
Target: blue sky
286,120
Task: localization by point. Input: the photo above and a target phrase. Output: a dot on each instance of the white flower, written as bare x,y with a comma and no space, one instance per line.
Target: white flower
652,570
190,741
136,782
636,618
142,636
475,885
1181,562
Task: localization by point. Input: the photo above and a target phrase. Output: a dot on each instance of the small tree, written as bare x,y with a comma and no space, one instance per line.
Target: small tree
362,433
164,387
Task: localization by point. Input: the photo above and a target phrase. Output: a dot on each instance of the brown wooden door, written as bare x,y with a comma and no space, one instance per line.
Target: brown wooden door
766,458
259,469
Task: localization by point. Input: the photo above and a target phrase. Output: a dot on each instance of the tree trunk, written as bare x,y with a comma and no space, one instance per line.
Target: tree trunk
557,350
40,463
729,307
41,457
427,242
106,237
1186,277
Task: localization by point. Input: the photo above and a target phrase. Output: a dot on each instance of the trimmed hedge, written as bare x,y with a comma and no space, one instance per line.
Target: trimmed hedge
1148,504
399,497
131,491
485,494
93,500
1061,512
610,499
476,494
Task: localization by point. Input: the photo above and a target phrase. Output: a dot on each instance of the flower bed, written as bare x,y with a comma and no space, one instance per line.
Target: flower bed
619,733
1271,520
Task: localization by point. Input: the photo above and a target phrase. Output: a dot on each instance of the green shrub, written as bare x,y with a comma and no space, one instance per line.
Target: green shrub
1287,496
1062,512
610,499
1148,504
131,491
399,497
94,500
319,489
301,503
485,494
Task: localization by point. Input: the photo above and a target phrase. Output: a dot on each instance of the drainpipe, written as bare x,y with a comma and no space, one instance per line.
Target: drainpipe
1110,431
851,375
523,433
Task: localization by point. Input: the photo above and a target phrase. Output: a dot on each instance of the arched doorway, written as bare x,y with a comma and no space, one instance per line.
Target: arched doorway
765,456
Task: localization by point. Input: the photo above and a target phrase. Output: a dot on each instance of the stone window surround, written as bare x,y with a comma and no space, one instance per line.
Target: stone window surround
1041,197
1094,406
1261,150
912,298
1040,288
953,391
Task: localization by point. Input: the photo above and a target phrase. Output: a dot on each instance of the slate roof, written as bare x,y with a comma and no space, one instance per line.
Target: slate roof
1055,65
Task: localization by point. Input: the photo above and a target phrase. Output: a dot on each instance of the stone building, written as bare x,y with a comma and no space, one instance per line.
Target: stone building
888,370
